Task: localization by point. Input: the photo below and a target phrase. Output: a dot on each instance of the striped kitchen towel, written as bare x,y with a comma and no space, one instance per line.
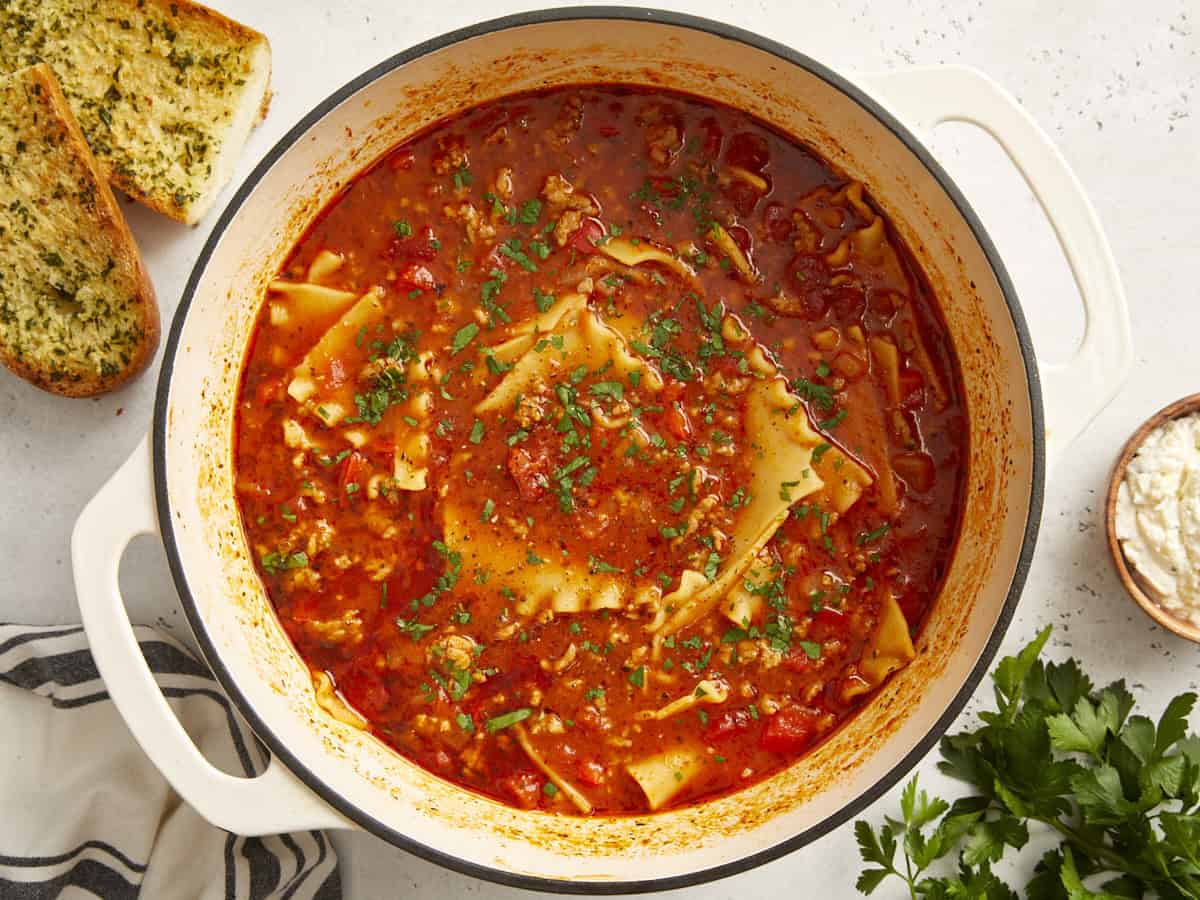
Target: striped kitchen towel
84,813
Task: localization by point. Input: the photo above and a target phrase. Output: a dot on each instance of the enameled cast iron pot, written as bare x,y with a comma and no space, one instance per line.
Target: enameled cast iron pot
179,483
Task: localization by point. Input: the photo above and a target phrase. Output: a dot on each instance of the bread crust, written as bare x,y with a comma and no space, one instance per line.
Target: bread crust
200,16
107,218
127,162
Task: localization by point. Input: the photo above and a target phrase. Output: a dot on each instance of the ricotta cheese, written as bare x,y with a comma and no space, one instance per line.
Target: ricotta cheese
1158,516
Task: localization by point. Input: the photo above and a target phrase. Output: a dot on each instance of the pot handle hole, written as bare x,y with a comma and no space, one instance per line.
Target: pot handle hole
1075,391
275,801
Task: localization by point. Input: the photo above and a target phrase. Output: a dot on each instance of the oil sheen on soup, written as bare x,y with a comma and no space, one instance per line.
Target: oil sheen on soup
601,450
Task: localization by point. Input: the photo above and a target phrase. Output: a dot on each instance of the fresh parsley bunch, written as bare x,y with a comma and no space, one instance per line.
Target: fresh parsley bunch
1119,792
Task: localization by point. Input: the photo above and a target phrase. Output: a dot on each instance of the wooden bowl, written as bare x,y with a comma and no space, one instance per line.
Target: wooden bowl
1129,577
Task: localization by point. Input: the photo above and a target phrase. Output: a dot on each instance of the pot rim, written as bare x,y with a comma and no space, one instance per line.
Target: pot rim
408,842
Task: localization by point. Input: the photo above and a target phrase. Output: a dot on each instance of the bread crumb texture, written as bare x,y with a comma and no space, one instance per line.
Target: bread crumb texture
77,313
166,92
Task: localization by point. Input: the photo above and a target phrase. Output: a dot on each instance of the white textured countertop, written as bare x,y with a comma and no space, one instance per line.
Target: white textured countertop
1116,85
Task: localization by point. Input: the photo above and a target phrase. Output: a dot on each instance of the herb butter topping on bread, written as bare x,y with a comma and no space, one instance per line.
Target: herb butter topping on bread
77,311
166,91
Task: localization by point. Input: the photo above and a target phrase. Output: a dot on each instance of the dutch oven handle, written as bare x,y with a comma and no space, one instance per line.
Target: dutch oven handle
275,801
1075,391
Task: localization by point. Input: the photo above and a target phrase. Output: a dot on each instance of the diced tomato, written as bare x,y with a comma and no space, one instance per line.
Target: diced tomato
677,422
728,725
777,221
269,390
363,687
911,383
524,670
355,470
741,236
525,788
834,621
809,285
741,196
592,773
713,136
788,731
849,303
421,246
587,235
530,469
750,151
417,276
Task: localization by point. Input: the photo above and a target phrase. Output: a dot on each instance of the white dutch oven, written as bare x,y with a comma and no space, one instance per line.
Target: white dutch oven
179,483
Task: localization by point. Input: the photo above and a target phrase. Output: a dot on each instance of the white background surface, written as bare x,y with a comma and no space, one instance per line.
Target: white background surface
1117,86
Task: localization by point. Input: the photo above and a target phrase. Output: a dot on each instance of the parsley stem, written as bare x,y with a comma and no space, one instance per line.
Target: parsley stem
912,887
1114,860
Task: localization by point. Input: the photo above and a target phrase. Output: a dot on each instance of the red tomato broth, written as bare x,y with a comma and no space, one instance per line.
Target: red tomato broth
427,647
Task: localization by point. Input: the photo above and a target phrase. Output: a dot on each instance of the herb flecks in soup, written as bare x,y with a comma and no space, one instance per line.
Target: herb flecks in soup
600,450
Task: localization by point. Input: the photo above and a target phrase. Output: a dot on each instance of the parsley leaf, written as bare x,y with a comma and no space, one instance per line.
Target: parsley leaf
462,337
1118,792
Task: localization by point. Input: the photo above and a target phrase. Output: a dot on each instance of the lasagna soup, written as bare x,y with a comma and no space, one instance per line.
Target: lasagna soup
600,449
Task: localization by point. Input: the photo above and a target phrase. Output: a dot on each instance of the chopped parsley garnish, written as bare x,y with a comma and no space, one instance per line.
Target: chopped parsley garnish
403,229
598,566
465,722
613,390
488,292
489,509
868,537
477,432
512,249
638,677
508,719
414,629
447,580
530,211
333,460
820,450
275,562
833,421
462,337
820,394
462,178
543,300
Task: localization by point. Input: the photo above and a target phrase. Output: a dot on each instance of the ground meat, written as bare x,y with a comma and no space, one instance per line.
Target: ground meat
569,206
663,133
502,185
570,120
531,473
477,228
530,463
451,154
